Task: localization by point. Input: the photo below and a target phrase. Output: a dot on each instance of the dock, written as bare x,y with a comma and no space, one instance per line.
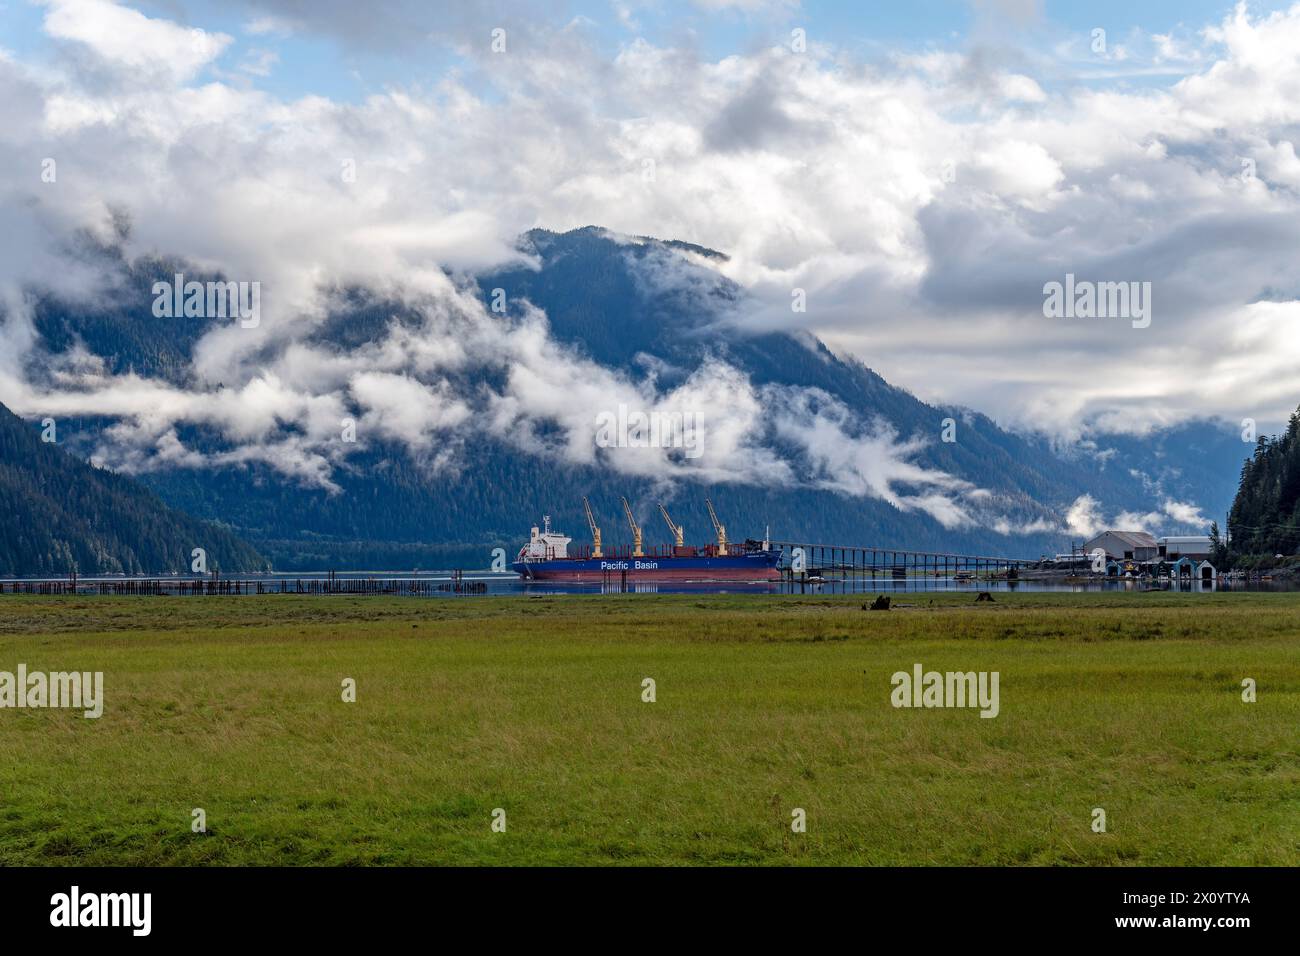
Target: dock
859,562
185,587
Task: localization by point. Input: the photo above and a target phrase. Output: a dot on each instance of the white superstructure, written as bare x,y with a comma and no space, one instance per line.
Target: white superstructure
545,544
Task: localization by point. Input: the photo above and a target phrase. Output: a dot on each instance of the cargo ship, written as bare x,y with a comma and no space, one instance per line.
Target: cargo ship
546,556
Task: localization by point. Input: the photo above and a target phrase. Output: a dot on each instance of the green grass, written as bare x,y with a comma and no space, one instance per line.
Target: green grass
1130,702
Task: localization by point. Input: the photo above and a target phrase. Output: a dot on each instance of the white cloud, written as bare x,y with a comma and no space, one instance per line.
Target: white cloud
1085,518
1016,169
1184,513
269,25
747,6
136,45
874,463
810,171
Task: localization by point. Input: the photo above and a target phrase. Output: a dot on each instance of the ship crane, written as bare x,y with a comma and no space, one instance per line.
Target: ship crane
636,531
718,528
595,531
679,535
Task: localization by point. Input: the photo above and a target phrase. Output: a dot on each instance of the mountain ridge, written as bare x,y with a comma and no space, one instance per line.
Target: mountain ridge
652,313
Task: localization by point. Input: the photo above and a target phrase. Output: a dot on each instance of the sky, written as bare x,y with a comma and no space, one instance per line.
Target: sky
299,48
915,174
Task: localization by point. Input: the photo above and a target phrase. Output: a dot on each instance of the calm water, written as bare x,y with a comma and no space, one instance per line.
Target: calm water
881,585
508,584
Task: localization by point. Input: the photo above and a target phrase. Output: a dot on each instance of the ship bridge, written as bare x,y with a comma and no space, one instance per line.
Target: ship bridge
545,544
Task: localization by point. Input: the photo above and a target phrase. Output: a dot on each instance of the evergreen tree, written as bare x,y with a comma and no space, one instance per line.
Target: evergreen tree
1265,516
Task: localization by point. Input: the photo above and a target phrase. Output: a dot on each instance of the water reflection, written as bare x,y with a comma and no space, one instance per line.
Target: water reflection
454,584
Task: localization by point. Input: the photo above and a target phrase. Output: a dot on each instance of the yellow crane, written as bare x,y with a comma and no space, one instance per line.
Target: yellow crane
679,536
636,531
718,528
595,531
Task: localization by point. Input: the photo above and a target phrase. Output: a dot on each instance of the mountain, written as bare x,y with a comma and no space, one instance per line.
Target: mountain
58,514
594,293
835,453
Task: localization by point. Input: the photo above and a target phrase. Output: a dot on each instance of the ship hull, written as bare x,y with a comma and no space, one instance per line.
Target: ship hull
757,566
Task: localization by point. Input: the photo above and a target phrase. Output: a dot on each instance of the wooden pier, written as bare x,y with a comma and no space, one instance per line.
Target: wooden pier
848,562
802,565
182,587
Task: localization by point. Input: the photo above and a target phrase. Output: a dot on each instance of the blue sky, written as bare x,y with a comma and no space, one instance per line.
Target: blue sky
318,56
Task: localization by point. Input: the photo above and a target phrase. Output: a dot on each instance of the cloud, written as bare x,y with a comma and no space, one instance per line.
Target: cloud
131,44
869,463
404,27
748,6
269,25
1018,11
920,203
1185,513
1085,518
404,408
259,62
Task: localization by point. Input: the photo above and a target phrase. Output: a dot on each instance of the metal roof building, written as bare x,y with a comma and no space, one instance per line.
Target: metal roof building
1124,545
1195,546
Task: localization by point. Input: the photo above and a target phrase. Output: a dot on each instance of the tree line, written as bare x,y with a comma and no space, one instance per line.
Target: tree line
60,515
1264,521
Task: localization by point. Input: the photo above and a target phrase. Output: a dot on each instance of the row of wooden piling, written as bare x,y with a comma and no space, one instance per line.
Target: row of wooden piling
163,587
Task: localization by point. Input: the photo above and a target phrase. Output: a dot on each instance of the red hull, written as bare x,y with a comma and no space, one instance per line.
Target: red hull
696,574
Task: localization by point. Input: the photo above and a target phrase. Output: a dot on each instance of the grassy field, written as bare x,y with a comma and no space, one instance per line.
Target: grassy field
1128,702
